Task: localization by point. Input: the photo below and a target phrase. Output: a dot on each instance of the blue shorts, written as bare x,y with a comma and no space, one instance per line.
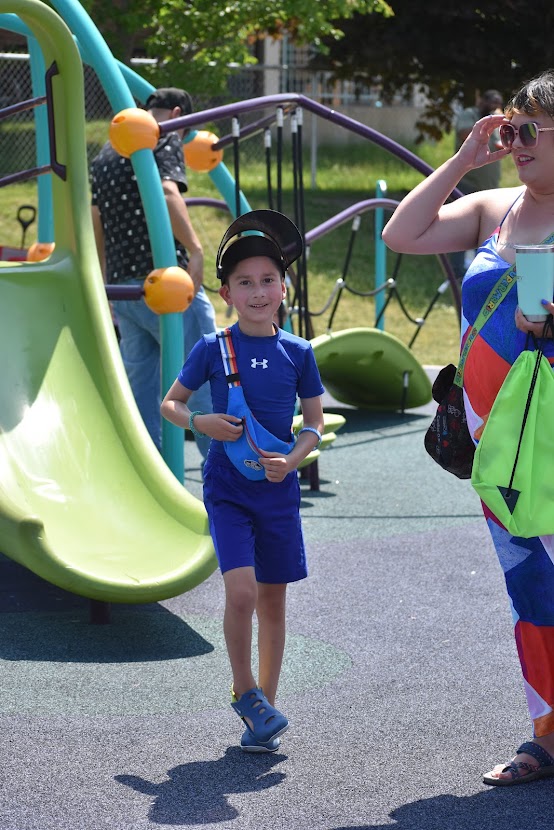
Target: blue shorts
254,523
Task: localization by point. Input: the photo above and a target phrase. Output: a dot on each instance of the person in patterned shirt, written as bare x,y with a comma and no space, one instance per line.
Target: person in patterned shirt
125,254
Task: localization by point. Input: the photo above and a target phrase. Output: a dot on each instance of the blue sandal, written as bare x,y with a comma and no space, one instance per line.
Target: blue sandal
267,722
531,772
248,743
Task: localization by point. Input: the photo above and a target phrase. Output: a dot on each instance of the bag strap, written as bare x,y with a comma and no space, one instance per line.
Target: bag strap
506,281
229,357
511,495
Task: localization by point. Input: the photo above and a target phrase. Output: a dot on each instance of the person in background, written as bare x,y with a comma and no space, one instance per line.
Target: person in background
255,524
126,257
481,178
493,222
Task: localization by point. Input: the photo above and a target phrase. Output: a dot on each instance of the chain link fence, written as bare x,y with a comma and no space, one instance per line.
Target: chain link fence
289,73
17,132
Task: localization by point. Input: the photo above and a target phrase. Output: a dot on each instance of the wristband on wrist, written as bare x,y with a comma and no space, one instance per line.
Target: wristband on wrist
315,432
192,416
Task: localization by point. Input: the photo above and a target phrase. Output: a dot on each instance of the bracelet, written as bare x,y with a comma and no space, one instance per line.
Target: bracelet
315,432
192,428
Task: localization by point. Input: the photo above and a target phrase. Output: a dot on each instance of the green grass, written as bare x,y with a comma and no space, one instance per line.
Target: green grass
345,175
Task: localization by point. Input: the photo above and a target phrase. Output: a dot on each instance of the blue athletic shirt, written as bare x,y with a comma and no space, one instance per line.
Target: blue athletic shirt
273,371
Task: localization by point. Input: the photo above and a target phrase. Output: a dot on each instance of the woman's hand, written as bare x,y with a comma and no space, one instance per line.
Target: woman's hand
536,328
475,150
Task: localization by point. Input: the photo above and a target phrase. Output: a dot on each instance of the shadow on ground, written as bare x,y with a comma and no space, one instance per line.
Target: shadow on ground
522,806
196,793
40,622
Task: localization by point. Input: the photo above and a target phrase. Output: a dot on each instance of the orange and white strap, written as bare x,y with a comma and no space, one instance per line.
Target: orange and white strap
229,357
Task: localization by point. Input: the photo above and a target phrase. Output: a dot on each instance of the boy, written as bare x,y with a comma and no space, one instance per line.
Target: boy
255,524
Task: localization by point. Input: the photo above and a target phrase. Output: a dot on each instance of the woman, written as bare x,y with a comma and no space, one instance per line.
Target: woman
493,221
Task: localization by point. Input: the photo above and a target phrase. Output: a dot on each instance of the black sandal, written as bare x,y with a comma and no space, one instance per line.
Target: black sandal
531,772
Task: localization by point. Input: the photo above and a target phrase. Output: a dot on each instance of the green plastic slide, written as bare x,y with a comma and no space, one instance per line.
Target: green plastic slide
86,501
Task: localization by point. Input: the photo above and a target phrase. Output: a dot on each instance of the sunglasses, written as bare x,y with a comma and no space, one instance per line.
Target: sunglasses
528,134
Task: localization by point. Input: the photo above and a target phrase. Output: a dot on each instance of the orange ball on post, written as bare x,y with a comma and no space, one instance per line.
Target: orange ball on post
168,290
133,129
199,155
40,251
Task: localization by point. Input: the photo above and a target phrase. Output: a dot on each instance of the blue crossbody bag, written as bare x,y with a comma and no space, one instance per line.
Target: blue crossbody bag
245,451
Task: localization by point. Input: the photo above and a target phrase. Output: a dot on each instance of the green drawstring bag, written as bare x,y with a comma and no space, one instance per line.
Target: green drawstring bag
513,466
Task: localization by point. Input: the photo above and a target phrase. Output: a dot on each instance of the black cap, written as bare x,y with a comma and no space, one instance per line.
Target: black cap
280,240
167,98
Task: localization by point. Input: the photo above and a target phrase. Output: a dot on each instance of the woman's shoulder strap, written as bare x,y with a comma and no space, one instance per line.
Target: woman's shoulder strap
518,197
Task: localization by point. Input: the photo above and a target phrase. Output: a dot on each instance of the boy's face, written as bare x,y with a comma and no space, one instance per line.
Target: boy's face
256,288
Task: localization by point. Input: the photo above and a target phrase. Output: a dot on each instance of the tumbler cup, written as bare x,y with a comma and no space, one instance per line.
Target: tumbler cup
535,279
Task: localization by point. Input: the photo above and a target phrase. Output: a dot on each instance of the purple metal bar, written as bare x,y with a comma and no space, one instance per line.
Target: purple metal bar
57,168
372,204
22,106
206,201
54,166
246,132
125,292
23,175
291,99
345,215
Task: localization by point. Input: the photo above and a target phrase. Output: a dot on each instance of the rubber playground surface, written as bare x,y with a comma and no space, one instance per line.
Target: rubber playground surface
400,681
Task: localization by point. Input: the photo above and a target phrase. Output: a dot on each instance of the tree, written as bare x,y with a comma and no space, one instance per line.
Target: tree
446,48
195,41
124,24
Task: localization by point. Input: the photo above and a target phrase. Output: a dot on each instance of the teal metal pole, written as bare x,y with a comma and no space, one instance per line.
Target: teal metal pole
225,183
121,83
45,231
44,183
380,254
97,53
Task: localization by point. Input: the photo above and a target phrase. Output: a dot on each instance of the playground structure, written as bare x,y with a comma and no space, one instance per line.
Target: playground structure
367,368
86,502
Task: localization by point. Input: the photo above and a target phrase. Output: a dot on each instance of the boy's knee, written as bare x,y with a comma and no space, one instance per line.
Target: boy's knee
241,594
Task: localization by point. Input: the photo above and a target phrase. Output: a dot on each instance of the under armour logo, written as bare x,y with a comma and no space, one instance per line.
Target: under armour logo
262,363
